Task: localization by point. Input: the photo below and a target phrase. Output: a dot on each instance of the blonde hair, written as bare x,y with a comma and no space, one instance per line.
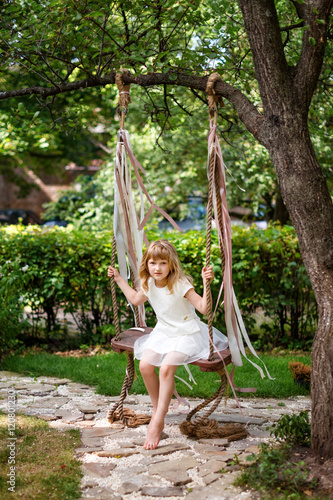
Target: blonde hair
162,250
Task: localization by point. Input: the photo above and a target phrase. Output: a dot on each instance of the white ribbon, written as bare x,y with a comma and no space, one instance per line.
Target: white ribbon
234,322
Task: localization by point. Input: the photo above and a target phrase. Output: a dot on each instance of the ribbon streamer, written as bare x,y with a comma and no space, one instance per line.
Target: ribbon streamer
236,330
128,226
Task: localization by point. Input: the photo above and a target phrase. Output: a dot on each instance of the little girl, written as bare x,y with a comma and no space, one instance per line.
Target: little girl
179,336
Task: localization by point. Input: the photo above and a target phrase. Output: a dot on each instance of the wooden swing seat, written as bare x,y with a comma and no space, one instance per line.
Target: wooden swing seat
128,337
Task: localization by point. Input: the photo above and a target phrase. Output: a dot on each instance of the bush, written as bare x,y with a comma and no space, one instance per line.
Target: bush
293,429
12,280
66,269
299,371
270,283
270,277
274,473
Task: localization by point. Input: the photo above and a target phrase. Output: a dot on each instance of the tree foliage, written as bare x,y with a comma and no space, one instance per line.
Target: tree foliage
79,45
274,58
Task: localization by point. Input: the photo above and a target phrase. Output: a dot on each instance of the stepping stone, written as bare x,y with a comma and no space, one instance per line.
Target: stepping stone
48,418
216,490
117,425
90,482
126,445
4,385
238,446
210,478
72,418
224,456
86,424
128,471
98,432
253,449
211,467
34,388
50,402
54,381
174,470
143,399
167,449
152,460
259,433
89,417
101,494
98,469
214,441
100,402
179,464
117,452
113,399
88,409
92,442
203,448
151,491
173,419
128,434
177,477
136,483
240,419
83,387
83,450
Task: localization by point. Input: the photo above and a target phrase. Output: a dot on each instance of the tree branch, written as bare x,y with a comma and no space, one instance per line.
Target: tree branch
313,48
247,112
272,71
292,26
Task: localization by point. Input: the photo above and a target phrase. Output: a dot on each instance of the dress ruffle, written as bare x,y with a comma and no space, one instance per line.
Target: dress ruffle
157,348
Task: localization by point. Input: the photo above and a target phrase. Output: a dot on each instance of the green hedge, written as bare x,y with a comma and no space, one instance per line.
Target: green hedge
66,269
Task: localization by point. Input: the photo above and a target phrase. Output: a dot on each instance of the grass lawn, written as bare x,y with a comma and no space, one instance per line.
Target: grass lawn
42,461
106,372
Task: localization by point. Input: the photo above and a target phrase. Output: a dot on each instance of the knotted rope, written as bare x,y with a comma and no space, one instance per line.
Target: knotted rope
124,97
213,102
118,412
202,426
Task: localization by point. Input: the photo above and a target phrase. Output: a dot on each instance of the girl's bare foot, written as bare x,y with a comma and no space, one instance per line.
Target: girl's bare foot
155,430
151,420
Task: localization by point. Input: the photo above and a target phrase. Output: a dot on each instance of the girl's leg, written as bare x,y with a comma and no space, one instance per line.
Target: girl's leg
166,388
151,381
167,385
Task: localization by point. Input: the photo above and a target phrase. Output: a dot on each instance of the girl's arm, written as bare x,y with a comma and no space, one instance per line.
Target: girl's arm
134,297
200,303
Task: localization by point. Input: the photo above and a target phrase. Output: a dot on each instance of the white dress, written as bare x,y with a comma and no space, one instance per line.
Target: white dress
179,336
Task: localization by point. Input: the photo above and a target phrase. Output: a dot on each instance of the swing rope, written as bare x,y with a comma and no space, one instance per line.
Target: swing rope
118,412
202,426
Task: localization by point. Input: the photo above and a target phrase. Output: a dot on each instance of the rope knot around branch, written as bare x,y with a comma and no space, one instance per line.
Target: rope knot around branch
124,94
213,100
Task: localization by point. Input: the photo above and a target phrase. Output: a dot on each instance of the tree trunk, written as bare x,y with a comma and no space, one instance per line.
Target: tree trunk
309,204
286,92
281,213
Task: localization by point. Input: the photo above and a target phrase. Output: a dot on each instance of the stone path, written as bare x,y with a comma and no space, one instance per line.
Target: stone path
115,465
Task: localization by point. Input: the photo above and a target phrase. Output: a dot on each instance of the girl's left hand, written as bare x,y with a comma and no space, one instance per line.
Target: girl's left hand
207,273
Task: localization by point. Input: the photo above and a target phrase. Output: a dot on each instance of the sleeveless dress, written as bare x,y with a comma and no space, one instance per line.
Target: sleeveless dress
179,337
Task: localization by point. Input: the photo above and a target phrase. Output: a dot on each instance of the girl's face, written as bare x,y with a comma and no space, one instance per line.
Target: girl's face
159,270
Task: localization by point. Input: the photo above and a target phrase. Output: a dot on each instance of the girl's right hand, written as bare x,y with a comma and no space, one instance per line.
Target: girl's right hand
112,271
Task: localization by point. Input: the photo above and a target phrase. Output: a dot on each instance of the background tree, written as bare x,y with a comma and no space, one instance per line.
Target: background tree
271,56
